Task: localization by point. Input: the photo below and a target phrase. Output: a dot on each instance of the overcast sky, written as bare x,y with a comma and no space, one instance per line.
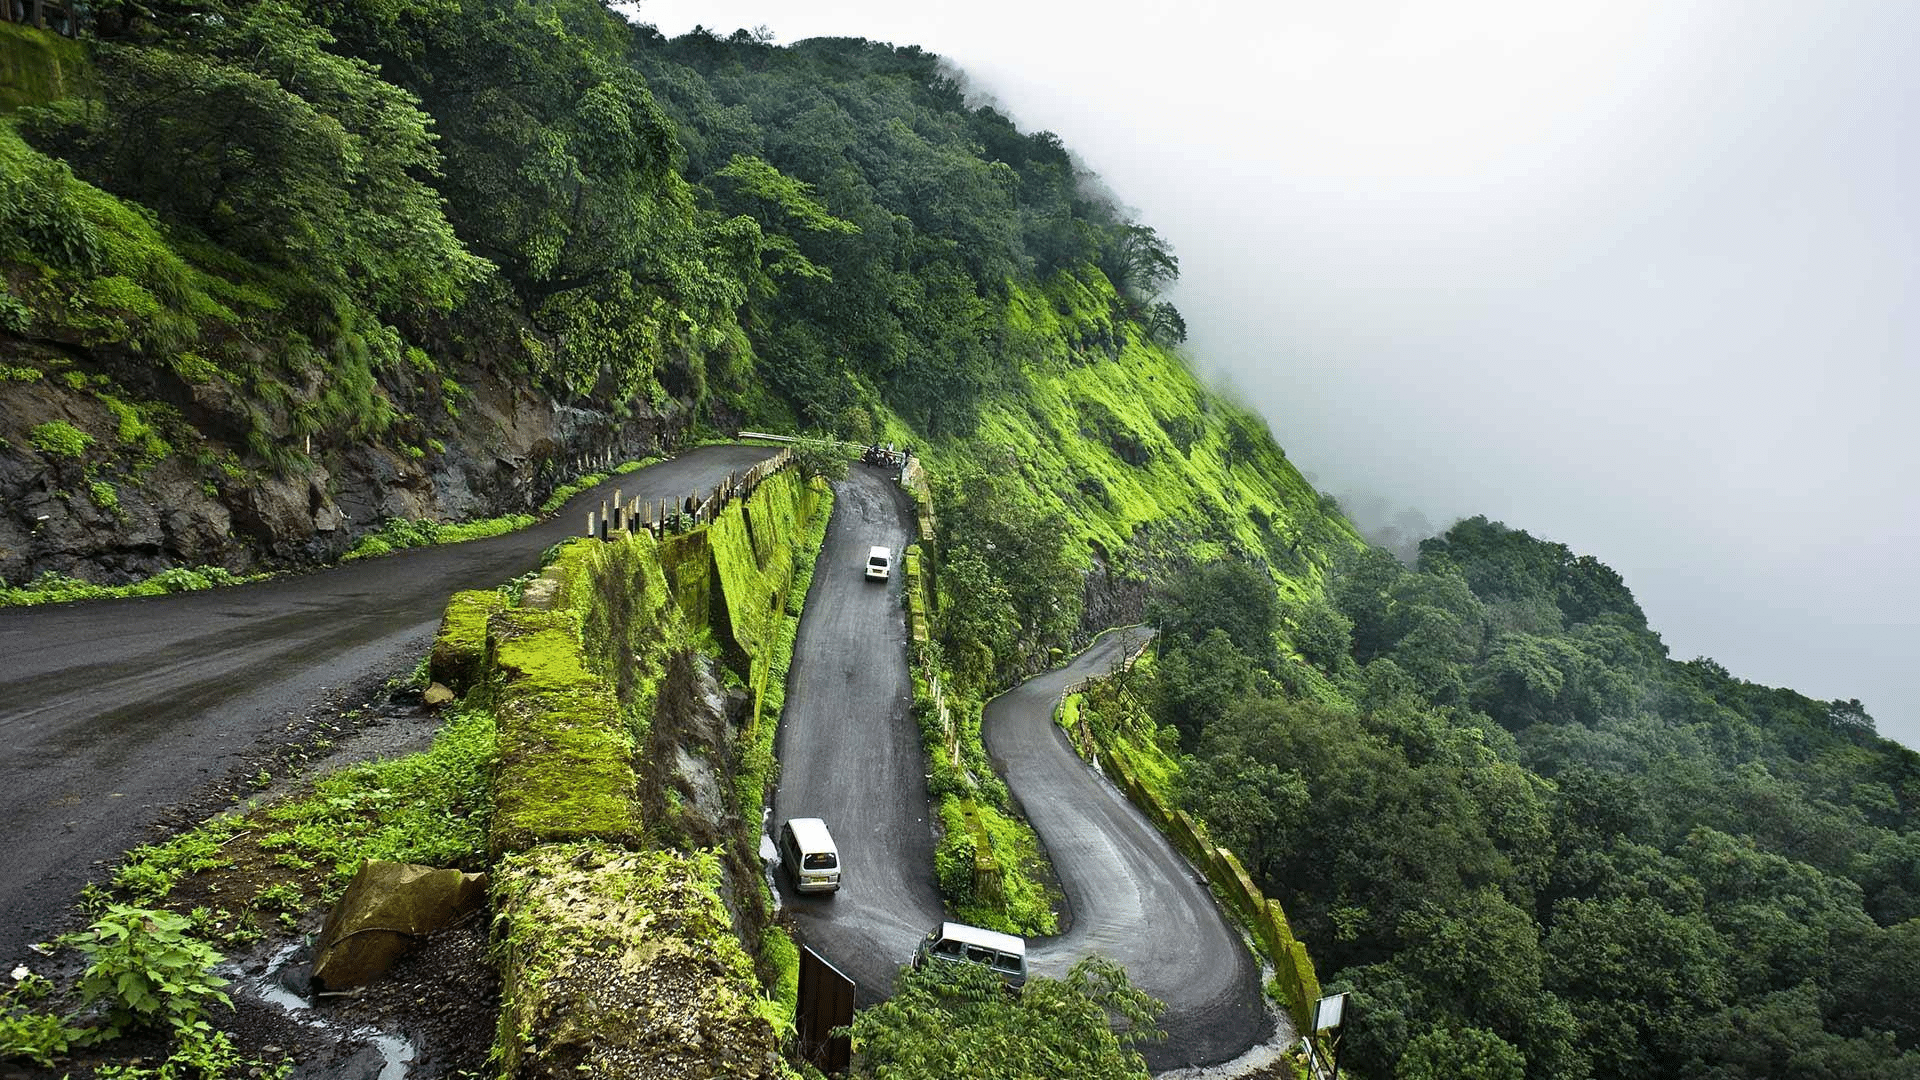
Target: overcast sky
1642,277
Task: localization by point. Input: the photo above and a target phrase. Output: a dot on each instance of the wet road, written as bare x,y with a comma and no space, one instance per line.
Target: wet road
850,753
111,711
1133,898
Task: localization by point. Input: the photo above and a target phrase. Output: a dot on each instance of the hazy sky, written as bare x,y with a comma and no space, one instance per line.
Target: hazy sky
1642,277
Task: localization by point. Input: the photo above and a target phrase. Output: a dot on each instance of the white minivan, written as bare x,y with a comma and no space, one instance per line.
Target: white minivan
879,563
957,943
813,863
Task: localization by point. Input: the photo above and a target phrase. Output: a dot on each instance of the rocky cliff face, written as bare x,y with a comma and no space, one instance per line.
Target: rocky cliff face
111,471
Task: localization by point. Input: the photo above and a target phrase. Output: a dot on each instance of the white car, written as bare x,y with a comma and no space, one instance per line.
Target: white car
879,563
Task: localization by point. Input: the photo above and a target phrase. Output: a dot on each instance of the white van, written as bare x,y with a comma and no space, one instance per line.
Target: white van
958,943
813,863
879,563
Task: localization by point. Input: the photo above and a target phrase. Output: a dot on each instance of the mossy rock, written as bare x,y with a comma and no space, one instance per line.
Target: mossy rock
460,648
564,768
37,66
622,965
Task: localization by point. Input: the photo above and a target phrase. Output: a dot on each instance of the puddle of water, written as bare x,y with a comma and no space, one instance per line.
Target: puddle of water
770,855
273,986
286,971
397,1053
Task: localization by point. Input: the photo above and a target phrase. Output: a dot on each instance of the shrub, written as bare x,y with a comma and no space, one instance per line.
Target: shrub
148,971
40,216
15,318
25,1033
57,438
106,496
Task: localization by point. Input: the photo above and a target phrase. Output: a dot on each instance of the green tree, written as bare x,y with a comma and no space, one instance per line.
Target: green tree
1360,588
239,122
1193,685
1638,978
1465,1054
1228,595
976,622
954,1022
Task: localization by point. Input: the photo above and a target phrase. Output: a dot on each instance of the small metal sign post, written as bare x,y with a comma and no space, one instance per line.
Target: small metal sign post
1328,1012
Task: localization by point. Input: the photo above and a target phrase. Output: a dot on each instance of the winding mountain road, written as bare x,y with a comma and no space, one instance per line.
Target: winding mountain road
112,711
850,753
1133,897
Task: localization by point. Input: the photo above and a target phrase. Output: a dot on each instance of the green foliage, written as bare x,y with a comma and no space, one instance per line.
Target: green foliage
430,808
1531,845
52,587
1469,1054
396,533
955,1022
41,218
16,319
246,127
821,456
201,1054
1008,548
151,870
35,1036
135,428
57,438
28,1033
106,497
146,968
1230,596
779,954
568,490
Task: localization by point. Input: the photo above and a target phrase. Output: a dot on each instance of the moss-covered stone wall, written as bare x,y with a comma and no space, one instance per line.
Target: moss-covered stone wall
622,964
620,957
565,764
37,66
459,657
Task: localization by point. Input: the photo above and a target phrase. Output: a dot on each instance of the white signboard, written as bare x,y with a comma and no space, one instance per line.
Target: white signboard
1327,1012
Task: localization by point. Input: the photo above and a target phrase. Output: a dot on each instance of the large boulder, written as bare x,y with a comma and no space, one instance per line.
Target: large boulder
388,910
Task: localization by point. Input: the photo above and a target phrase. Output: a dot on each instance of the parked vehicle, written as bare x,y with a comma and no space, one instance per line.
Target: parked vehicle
957,943
879,563
812,860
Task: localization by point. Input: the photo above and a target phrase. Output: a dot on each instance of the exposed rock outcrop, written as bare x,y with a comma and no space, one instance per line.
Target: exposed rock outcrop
164,472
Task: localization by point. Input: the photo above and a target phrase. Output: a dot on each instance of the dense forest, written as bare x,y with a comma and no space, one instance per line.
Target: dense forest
385,186
1533,845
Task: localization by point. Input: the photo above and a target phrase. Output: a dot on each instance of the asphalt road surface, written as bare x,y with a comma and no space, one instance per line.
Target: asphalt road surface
850,753
1131,896
111,711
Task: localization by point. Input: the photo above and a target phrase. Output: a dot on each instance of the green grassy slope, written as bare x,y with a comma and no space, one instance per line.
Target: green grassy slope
1136,450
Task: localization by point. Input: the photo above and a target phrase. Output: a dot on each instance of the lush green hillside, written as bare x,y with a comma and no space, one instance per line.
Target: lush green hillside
1531,843
412,259
288,270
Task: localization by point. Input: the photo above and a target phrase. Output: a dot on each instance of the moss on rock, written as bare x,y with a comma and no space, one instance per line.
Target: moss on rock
37,67
565,766
623,965
459,652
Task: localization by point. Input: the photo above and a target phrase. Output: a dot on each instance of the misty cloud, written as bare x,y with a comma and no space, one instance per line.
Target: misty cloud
1632,275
